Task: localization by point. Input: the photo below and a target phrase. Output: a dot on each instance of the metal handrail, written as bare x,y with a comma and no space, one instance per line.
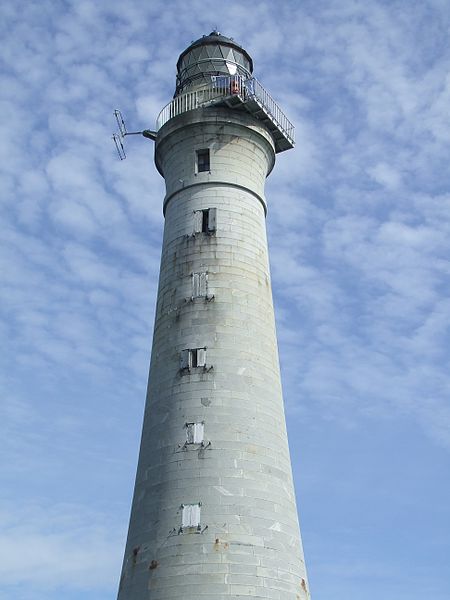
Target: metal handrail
223,87
273,109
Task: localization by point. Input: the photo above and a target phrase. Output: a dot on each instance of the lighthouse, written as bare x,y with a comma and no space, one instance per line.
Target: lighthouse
214,514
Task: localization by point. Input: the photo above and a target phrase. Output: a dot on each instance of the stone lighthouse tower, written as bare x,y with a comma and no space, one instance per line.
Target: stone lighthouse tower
214,514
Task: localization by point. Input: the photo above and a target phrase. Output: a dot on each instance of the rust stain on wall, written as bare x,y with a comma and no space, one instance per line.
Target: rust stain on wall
220,546
304,588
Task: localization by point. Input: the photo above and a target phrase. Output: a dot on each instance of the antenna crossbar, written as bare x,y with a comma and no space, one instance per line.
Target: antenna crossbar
120,123
118,137
119,146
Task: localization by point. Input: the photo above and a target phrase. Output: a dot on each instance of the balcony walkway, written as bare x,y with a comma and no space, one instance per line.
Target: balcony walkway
238,94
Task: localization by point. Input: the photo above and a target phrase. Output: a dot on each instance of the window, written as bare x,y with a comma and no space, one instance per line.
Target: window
202,163
199,285
205,220
192,358
194,433
190,516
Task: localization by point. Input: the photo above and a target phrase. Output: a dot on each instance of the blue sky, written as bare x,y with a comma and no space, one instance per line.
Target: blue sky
359,224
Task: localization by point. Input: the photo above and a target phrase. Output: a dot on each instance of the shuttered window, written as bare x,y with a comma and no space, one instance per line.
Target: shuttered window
199,285
192,358
194,433
205,221
190,515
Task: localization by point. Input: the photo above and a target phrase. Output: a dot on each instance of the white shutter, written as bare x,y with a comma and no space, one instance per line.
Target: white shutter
203,284
198,433
198,221
196,285
186,516
195,515
190,433
201,357
191,515
184,359
199,285
212,219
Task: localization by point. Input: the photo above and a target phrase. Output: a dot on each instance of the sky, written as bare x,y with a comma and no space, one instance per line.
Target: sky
359,236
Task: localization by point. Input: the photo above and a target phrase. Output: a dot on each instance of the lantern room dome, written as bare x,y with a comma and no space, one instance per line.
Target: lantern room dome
211,55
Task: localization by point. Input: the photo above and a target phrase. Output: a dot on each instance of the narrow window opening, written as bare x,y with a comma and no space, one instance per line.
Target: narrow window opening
205,216
203,162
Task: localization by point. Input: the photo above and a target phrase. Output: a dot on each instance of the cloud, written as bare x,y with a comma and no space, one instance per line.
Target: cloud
385,175
48,547
358,228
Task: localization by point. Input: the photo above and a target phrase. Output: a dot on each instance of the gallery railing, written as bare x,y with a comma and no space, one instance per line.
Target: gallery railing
247,90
